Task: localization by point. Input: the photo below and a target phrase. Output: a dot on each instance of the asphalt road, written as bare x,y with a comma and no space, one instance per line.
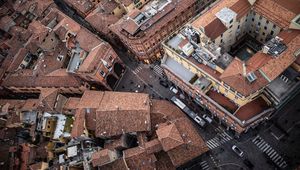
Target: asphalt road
144,78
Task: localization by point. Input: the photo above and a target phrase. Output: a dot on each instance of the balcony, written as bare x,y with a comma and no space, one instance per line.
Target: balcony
251,109
223,101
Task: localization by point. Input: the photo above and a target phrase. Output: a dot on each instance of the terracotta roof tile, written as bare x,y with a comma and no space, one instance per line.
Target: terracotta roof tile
169,137
101,18
82,6
210,16
117,144
278,14
251,109
241,7
102,157
87,40
193,146
233,76
30,105
117,110
64,26
93,59
115,165
126,2
214,29
91,99
48,98
90,119
18,58
72,103
137,158
79,122
274,67
153,146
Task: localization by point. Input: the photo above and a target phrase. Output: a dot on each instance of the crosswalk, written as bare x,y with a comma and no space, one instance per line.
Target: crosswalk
221,138
269,151
204,165
137,69
158,70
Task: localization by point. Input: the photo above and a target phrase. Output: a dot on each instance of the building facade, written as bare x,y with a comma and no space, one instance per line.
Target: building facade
142,31
204,59
56,52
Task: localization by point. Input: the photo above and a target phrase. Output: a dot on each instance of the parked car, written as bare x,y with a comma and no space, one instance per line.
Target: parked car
200,121
173,89
238,151
208,119
163,83
248,163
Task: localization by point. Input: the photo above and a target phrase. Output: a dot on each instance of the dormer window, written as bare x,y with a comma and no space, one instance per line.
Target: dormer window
102,73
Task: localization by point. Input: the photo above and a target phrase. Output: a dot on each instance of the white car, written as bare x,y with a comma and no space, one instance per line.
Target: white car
208,119
174,90
238,151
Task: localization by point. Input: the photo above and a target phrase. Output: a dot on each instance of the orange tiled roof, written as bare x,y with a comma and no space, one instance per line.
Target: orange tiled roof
78,124
101,20
91,99
276,11
101,157
274,67
117,110
193,145
169,137
82,6
209,15
251,109
137,158
214,29
94,57
233,76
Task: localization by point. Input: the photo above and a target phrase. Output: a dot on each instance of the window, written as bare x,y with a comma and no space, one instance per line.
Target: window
222,35
274,26
238,26
110,58
221,40
263,33
272,33
230,26
267,22
231,21
239,95
265,28
252,19
102,73
258,23
260,18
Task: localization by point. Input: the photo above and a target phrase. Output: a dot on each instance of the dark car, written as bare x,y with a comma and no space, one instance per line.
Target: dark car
248,163
163,83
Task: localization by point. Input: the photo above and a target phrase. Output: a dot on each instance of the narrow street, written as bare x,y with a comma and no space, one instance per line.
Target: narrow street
265,153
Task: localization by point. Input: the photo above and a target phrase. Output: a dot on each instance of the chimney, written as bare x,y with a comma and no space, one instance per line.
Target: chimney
244,69
251,2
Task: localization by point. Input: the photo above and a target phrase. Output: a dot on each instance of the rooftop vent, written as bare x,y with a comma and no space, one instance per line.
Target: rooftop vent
274,47
251,77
